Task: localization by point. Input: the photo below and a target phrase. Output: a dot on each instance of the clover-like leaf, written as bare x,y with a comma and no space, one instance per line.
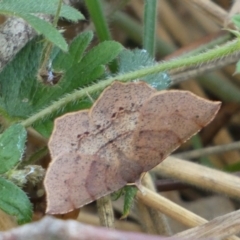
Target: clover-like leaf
14,201
22,94
12,145
26,8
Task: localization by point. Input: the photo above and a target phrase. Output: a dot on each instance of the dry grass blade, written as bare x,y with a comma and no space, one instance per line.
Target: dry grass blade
171,209
213,10
153,222
105,211
200,176
208,151
92,219
221,227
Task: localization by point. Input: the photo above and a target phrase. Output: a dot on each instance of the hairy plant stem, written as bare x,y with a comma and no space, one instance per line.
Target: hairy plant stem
203,58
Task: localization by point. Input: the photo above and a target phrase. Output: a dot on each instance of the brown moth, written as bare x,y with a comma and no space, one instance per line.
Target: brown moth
129,130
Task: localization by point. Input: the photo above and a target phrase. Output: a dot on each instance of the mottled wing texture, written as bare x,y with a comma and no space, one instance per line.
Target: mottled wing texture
167,119
118,98
67,131
129,130
102,139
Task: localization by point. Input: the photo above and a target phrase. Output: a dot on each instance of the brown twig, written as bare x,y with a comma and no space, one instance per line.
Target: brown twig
153,222
220,227
172,210
200,176
164,185
208,151
105,211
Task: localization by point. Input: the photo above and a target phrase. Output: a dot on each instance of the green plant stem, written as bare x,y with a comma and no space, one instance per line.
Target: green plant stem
209,56
46,54
56,17
48,46
105,212
149,30
95,10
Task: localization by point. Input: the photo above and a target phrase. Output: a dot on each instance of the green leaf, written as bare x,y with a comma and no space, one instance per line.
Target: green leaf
13,7
236,20
87,68
18,82
15,202
99,19
22,95
45,128
237,67
137,59
45,28
130,193
26,8
75,53
81,71
103,53
12,145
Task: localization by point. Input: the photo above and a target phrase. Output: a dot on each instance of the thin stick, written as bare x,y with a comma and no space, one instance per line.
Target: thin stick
92,219
105,211
200,176
171,209
209,151
218,14
220,227
154,222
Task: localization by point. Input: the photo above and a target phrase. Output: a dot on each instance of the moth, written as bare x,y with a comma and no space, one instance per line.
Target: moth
129,130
